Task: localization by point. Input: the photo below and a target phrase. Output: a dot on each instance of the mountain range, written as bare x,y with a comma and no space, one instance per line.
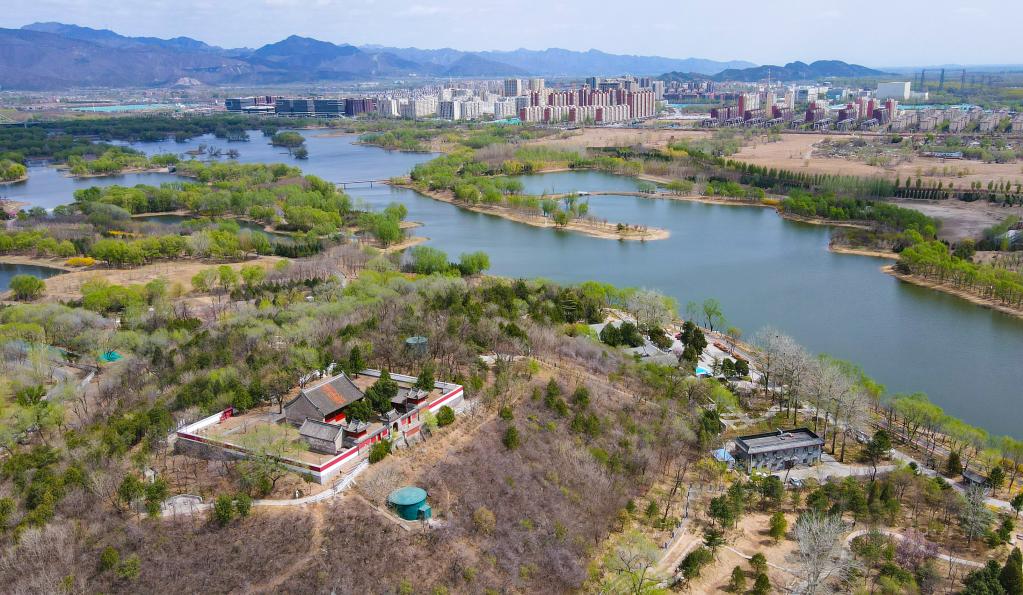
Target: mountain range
47,56
793,71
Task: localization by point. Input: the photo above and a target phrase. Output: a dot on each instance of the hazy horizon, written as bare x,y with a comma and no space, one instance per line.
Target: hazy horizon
878,35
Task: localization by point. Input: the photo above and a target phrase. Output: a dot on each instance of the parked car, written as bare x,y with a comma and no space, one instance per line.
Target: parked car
796,482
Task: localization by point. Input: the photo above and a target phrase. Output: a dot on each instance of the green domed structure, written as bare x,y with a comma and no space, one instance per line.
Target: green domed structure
410,503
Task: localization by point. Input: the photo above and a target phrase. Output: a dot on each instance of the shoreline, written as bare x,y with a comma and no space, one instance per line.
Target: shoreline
123,172
574,225
23,178
56,263
959,293
863,252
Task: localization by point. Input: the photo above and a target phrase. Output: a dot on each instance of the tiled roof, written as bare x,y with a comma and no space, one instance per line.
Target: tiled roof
332,394
318,429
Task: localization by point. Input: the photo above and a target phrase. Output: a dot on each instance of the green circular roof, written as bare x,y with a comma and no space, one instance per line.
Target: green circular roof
407,496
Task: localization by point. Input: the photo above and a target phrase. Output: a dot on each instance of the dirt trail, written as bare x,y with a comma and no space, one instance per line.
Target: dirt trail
315,543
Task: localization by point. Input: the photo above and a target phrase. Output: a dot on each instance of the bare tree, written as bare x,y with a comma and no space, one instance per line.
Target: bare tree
631,565
819,553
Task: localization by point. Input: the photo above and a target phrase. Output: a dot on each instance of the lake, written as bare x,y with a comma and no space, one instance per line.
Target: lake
763,269
8,271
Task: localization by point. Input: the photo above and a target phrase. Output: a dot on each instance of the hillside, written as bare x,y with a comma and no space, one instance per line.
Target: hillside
798,71
45,56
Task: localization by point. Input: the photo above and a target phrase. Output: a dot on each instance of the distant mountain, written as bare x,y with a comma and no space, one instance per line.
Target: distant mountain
472,65
36,60
558,62
798,71
59,56
111,39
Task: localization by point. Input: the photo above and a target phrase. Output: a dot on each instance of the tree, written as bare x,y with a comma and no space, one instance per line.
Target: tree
877,449
974,518
762,584
984,581
693,563
772,491
445,416
954,465
426,260
758,562
712,313
818,537
380,394
511,438
631,565
1011,577
1017,503
473,263
223,510
243,504
996,478
778,526
425,380
379,451
27,287
650,308
737,584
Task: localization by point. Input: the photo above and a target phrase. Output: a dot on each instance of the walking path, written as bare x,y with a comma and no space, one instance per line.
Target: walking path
899,536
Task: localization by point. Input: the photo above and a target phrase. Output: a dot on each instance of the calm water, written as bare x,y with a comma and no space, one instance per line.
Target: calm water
7,271
763,269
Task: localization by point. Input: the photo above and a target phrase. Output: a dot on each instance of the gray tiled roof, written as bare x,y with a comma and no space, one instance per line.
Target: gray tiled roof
318,429
332,394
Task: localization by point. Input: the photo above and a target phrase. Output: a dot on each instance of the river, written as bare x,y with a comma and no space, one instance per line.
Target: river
763,269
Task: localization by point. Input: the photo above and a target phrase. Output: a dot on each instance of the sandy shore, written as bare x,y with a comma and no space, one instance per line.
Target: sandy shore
959,293
51,263
405,244
594,229
863,252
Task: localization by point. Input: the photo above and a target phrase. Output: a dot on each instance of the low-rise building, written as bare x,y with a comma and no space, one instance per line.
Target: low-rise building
323,400
781,449
322,437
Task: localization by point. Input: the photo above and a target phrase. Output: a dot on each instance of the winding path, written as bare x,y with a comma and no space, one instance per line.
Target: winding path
900,536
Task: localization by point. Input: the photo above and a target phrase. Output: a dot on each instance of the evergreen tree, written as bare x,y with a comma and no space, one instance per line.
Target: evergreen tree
1011,577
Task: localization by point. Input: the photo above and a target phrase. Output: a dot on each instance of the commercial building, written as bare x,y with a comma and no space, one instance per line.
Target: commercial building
536,85
242,104
781,449
895,90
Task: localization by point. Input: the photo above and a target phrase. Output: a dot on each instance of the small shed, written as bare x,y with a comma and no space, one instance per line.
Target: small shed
972,478
410,503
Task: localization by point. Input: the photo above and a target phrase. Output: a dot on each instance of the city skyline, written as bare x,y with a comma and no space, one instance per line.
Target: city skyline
802,31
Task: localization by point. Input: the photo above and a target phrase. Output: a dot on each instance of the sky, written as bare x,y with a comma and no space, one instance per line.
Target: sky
903,33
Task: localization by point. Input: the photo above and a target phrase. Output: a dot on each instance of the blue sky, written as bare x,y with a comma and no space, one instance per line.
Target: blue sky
907,32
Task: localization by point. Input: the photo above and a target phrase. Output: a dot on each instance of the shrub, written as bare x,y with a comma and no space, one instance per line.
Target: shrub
505,413
223,510
379,451
445,416
243,504
484,521
27,287
129,569
109,558
511,438
80,261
